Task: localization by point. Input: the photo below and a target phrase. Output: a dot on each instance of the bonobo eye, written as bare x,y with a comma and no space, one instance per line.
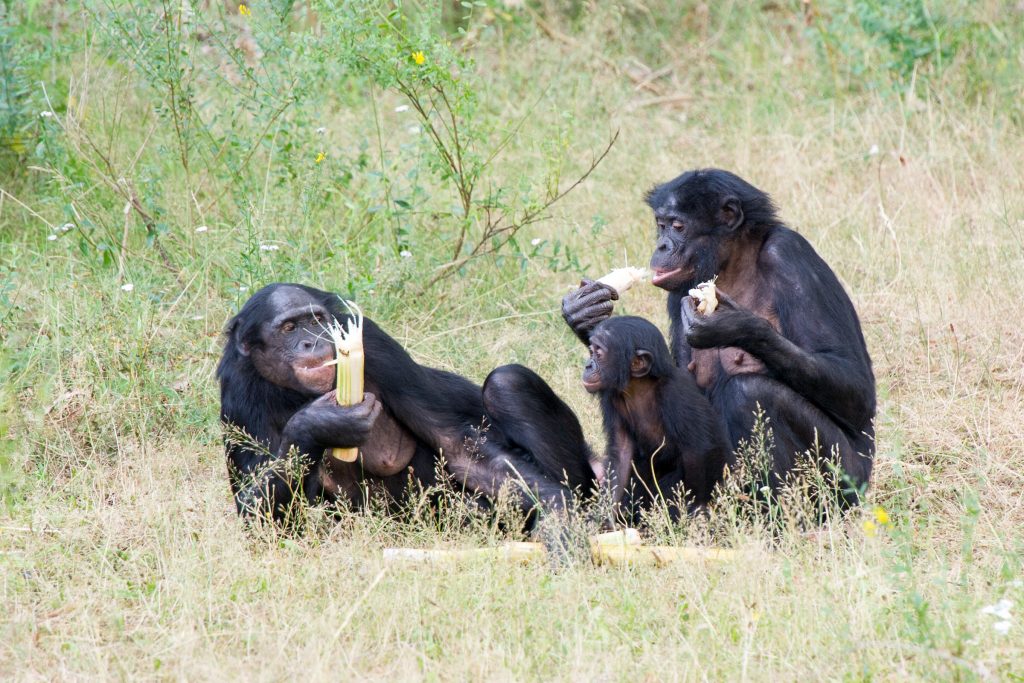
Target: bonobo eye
677,225
288,327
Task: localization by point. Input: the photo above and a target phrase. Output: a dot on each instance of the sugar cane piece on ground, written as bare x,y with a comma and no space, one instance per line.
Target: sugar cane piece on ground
622,279
614,548
707,296
348,348
657,555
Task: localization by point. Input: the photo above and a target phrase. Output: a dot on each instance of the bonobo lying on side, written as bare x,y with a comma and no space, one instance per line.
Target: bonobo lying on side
785,339
664,443
276,388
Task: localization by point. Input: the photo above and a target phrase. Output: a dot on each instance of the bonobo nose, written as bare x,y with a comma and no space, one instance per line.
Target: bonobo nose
307,345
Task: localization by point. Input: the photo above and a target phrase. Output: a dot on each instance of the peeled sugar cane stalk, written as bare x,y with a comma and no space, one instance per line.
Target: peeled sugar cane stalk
707,296
613,548
622,279
348,347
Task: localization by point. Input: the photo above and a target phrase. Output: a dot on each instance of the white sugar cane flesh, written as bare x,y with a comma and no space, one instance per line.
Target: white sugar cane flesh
706,295
622,279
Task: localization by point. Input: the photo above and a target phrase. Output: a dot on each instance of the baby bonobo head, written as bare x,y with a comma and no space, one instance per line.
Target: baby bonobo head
624,349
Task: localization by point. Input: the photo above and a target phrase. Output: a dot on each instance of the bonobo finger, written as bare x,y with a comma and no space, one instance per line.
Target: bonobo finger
375,412
368,398
594,298
688,308
595,314
594,286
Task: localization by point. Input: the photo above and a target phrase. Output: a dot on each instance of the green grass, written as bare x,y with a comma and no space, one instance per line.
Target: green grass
120,552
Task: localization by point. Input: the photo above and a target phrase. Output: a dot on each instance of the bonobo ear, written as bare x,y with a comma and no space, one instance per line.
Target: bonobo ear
232,333
641,363
731,212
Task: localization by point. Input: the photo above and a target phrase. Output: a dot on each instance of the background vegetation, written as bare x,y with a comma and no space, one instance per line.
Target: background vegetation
159,161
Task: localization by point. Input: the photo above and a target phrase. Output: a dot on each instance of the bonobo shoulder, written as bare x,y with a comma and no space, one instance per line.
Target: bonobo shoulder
790,257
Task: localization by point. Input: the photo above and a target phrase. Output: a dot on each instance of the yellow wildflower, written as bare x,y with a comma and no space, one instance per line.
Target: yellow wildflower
244,10
881,516
419,58
870,528
320,157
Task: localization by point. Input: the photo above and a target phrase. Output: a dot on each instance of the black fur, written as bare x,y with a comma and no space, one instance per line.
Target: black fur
442,410
691,454
818,390
816,387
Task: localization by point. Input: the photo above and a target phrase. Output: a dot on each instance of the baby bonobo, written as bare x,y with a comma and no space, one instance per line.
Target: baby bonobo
664,442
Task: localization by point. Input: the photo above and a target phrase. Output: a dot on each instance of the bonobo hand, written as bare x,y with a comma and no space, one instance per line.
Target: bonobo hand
324,424
587,306
729,325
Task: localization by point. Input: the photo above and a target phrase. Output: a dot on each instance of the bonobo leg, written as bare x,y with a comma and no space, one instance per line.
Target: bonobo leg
532,418
797,427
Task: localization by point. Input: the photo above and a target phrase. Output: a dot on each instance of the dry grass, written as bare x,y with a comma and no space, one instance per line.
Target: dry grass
122,556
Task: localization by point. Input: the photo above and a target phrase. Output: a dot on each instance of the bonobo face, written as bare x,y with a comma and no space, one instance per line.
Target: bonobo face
614,359
594,371
694,222
293,345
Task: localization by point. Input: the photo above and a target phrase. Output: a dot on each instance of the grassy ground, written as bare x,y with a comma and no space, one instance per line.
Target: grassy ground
120,553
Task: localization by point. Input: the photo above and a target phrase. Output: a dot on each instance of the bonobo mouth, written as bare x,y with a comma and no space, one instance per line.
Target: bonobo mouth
667,279
314,374
592,386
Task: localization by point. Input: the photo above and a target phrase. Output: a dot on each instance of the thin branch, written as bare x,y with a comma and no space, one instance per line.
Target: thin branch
530,216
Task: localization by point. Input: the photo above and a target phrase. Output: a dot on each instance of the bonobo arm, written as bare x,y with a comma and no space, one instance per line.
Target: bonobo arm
838,384
262,484
621,452
584,308
324,424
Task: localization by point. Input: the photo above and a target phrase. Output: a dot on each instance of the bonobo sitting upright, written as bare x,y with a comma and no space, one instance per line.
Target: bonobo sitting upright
275,387
785,338
658,424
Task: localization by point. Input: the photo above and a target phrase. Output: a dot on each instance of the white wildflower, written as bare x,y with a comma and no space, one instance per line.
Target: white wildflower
321,130
405,253
46,114
51,238
873,151
202,228
413,129
401,108
535,241
269,247
66,227
1000,610
127,287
